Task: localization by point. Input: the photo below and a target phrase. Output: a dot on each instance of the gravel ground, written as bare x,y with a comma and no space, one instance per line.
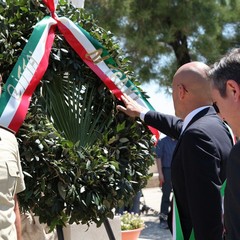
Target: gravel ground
152,231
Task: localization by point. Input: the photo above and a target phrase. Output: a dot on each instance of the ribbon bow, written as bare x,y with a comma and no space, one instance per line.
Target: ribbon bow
33,62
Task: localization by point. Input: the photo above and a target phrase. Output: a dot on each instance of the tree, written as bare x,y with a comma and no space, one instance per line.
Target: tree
160,36
80,157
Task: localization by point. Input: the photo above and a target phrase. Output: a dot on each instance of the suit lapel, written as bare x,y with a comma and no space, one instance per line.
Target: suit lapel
205,111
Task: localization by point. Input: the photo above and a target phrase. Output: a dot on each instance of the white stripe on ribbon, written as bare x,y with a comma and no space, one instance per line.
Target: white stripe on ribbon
77,3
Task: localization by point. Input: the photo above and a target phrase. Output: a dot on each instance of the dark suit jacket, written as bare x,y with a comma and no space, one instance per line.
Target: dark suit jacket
198,169
232,195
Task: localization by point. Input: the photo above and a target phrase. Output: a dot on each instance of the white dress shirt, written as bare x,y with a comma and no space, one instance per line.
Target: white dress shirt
186,120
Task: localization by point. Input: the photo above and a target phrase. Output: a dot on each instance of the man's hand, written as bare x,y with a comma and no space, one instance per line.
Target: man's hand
132,108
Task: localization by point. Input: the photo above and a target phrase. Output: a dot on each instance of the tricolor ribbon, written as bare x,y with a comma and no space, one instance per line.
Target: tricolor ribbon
26,74
33,63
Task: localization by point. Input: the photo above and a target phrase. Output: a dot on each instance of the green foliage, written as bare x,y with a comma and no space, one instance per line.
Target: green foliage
81,159
16,25
69,183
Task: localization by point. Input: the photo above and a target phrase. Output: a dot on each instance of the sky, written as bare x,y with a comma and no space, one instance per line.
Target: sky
160,100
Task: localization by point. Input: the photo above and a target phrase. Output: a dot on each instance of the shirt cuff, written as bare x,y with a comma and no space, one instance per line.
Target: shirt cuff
142,114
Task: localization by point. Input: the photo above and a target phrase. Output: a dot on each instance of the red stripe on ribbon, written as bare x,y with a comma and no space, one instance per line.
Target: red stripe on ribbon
80,50
21,112
155,132
51,6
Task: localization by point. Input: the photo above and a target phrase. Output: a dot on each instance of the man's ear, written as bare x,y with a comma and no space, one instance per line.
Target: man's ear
181,91
233,89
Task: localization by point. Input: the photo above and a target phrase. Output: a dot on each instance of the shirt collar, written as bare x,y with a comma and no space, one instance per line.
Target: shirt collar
190,116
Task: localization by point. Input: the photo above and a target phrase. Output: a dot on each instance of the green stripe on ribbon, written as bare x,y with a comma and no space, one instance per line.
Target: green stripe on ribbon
222,190
179,233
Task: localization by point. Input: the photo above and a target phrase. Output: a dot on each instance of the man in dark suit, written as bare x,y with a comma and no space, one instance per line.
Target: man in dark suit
225,78
204,142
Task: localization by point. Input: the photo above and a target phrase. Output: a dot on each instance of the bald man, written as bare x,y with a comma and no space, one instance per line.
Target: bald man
204,142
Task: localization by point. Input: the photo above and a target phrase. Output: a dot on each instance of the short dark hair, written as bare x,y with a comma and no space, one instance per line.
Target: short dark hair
228,68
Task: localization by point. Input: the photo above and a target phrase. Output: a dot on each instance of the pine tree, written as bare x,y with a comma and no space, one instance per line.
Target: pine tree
160,36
